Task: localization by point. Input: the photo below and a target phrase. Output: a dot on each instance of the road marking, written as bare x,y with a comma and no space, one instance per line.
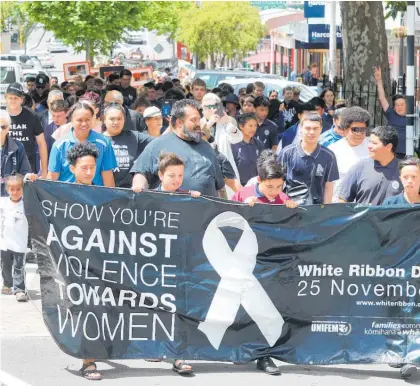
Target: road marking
10,380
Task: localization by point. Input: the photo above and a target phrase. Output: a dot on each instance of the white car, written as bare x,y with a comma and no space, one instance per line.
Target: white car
306,93
44,58
55,45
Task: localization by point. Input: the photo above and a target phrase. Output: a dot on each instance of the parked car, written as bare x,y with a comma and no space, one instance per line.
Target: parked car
56,45
306,93
214,77
45,59
16,57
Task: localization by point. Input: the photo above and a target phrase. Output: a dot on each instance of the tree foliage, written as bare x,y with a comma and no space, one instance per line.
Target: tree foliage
95,26
393,7
221,30
6,11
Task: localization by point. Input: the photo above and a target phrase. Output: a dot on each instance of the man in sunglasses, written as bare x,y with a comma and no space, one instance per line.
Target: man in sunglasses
353,147
372,180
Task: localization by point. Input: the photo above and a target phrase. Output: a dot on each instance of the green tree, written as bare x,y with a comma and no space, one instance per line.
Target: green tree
6,12
393,7
221,30
95,26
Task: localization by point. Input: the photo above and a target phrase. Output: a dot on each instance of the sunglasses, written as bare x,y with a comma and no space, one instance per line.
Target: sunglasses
4,127
359,129
211,107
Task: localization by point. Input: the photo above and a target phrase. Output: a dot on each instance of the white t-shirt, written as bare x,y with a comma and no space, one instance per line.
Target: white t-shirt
13,226
347,156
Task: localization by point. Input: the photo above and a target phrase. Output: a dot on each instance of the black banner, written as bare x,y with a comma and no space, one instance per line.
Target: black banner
156,275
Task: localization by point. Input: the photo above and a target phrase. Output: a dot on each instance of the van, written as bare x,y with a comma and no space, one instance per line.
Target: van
10,72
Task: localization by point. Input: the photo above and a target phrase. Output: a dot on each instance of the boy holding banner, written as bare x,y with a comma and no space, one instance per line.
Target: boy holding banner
268,190
82,163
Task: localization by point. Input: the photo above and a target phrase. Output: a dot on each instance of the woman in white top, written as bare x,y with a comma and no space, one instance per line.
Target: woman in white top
222,128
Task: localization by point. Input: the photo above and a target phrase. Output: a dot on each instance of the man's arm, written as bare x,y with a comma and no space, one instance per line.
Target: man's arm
381,92
53,176
234,184
43,154
140,182
108,178
328,192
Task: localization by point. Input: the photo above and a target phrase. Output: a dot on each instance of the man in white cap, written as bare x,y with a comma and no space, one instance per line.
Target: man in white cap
153,118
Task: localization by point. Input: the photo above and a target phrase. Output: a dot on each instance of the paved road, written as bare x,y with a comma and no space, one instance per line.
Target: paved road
29,356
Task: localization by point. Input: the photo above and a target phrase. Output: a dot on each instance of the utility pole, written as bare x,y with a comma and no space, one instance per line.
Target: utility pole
333,42
411,77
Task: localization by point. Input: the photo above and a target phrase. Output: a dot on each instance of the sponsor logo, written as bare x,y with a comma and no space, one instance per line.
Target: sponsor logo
340,328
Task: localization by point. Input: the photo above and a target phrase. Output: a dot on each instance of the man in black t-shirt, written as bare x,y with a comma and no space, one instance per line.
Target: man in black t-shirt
129,93
26,128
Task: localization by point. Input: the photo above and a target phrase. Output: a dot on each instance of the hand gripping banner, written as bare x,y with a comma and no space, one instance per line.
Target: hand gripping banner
238,286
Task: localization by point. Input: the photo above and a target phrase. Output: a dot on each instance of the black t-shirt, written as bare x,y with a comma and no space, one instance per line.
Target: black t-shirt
127,147
24,128
129,95
202,170
289,113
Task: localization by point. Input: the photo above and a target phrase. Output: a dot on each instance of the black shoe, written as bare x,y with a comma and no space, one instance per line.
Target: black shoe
408,370
266,364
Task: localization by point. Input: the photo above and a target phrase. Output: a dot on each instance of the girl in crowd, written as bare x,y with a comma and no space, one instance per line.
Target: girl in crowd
94,100
247,104
81,117
127,144
329,98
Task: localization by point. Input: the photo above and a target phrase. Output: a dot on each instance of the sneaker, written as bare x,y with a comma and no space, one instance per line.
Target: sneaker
407,370
6,291
21,297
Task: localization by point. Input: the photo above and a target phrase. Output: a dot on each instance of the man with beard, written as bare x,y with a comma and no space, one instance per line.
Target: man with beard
202,170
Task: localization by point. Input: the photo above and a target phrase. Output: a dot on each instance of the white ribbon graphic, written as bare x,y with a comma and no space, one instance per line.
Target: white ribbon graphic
238,286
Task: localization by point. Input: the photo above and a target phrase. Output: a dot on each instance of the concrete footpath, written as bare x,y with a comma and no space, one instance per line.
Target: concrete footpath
30,357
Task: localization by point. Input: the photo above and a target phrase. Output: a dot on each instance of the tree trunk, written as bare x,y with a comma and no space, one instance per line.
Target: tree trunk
89,56
365,45
213,60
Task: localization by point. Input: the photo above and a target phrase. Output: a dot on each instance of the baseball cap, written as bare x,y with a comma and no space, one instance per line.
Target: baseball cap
41,81
15,89
152,112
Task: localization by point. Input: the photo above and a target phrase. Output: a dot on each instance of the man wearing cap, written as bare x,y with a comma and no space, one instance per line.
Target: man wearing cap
26,128
231,103
153,118
40,94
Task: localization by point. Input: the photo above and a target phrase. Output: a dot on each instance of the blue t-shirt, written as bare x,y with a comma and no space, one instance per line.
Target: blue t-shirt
329,137
399,199
58,162
369,182
246,156
398,122
267,133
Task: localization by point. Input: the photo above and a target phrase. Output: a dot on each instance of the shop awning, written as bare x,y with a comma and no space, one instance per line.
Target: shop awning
265,57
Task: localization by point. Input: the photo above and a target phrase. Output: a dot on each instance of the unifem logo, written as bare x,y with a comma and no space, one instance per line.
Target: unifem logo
340,328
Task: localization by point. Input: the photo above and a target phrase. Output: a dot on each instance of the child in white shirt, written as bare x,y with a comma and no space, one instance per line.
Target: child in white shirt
13,237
